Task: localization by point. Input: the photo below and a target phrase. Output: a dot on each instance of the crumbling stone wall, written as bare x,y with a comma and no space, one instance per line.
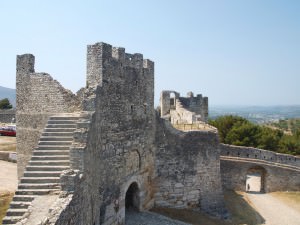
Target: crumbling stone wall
38,97
183,110
188,170
7,115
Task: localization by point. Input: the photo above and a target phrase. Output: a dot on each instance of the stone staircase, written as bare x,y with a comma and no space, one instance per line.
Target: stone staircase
49,159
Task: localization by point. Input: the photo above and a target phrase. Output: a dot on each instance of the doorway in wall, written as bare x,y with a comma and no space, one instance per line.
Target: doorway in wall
132,200
255,180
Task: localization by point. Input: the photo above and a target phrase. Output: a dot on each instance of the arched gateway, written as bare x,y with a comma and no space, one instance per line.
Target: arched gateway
132,199
255,179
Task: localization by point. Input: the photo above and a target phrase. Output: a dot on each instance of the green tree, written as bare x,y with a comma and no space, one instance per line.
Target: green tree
5,104
245,134
269,139
225,124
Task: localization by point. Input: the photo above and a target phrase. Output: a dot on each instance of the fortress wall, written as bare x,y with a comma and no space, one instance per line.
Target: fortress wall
275,178
38,97
120,140
6,115
188,170
256,153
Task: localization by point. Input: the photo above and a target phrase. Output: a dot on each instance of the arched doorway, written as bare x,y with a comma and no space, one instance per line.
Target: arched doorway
255,179
132,199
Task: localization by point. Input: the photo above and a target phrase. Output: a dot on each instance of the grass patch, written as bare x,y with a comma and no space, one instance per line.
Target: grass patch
5,199
239,208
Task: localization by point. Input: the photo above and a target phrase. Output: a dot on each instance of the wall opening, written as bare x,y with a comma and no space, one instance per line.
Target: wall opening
132,199
172,100
255,180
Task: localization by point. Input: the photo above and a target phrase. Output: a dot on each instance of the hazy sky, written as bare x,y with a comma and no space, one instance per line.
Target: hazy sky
242,52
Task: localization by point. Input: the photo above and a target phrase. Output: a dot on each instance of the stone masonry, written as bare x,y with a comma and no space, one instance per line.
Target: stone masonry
122,154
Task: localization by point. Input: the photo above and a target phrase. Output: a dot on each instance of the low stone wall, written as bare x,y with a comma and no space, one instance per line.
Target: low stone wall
6,116
256,153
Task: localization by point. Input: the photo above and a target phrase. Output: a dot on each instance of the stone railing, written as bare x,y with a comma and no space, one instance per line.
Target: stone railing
259,154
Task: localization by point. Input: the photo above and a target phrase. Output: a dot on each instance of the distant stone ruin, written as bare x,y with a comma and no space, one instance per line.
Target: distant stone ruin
105,150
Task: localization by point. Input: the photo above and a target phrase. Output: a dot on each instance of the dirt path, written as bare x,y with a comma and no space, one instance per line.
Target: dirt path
8,176
274,211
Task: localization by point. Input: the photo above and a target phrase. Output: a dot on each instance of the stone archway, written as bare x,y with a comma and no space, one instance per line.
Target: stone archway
132,198
255,179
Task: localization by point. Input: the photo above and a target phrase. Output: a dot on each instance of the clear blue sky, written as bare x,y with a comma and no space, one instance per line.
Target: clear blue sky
242,52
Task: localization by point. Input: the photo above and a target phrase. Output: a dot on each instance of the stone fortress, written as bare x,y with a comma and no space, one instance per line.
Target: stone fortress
105,150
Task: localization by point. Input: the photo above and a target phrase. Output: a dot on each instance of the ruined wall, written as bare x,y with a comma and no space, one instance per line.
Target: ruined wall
120,140
183,110
188,170
281,171
7,115
38,97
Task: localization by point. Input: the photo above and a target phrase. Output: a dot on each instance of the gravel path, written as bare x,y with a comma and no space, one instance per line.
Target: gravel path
273,210
149,218
8,176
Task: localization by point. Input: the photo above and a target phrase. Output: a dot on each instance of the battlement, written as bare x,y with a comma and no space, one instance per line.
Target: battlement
101,57
25,63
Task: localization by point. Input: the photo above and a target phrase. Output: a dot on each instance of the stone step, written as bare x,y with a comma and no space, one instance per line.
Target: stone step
50,163
35,191
51,147
58,130
51,121
51,157
16,212
40,186
11,220
74,126
23,198
56,138
19,205
50,152
57,143
60,134
39,180
74,118
42,173
47,168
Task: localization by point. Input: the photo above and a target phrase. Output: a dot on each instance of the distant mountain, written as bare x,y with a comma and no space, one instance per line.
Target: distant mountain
8,93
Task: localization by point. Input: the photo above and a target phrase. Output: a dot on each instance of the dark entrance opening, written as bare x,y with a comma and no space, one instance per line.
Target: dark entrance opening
132,200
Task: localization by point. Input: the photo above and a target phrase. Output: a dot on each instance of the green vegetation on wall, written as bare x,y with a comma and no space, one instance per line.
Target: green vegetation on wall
236,130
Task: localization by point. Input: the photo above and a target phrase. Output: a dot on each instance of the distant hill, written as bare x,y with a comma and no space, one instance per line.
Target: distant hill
8,93
257,114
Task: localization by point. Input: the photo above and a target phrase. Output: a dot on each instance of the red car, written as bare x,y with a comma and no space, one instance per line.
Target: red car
8,131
